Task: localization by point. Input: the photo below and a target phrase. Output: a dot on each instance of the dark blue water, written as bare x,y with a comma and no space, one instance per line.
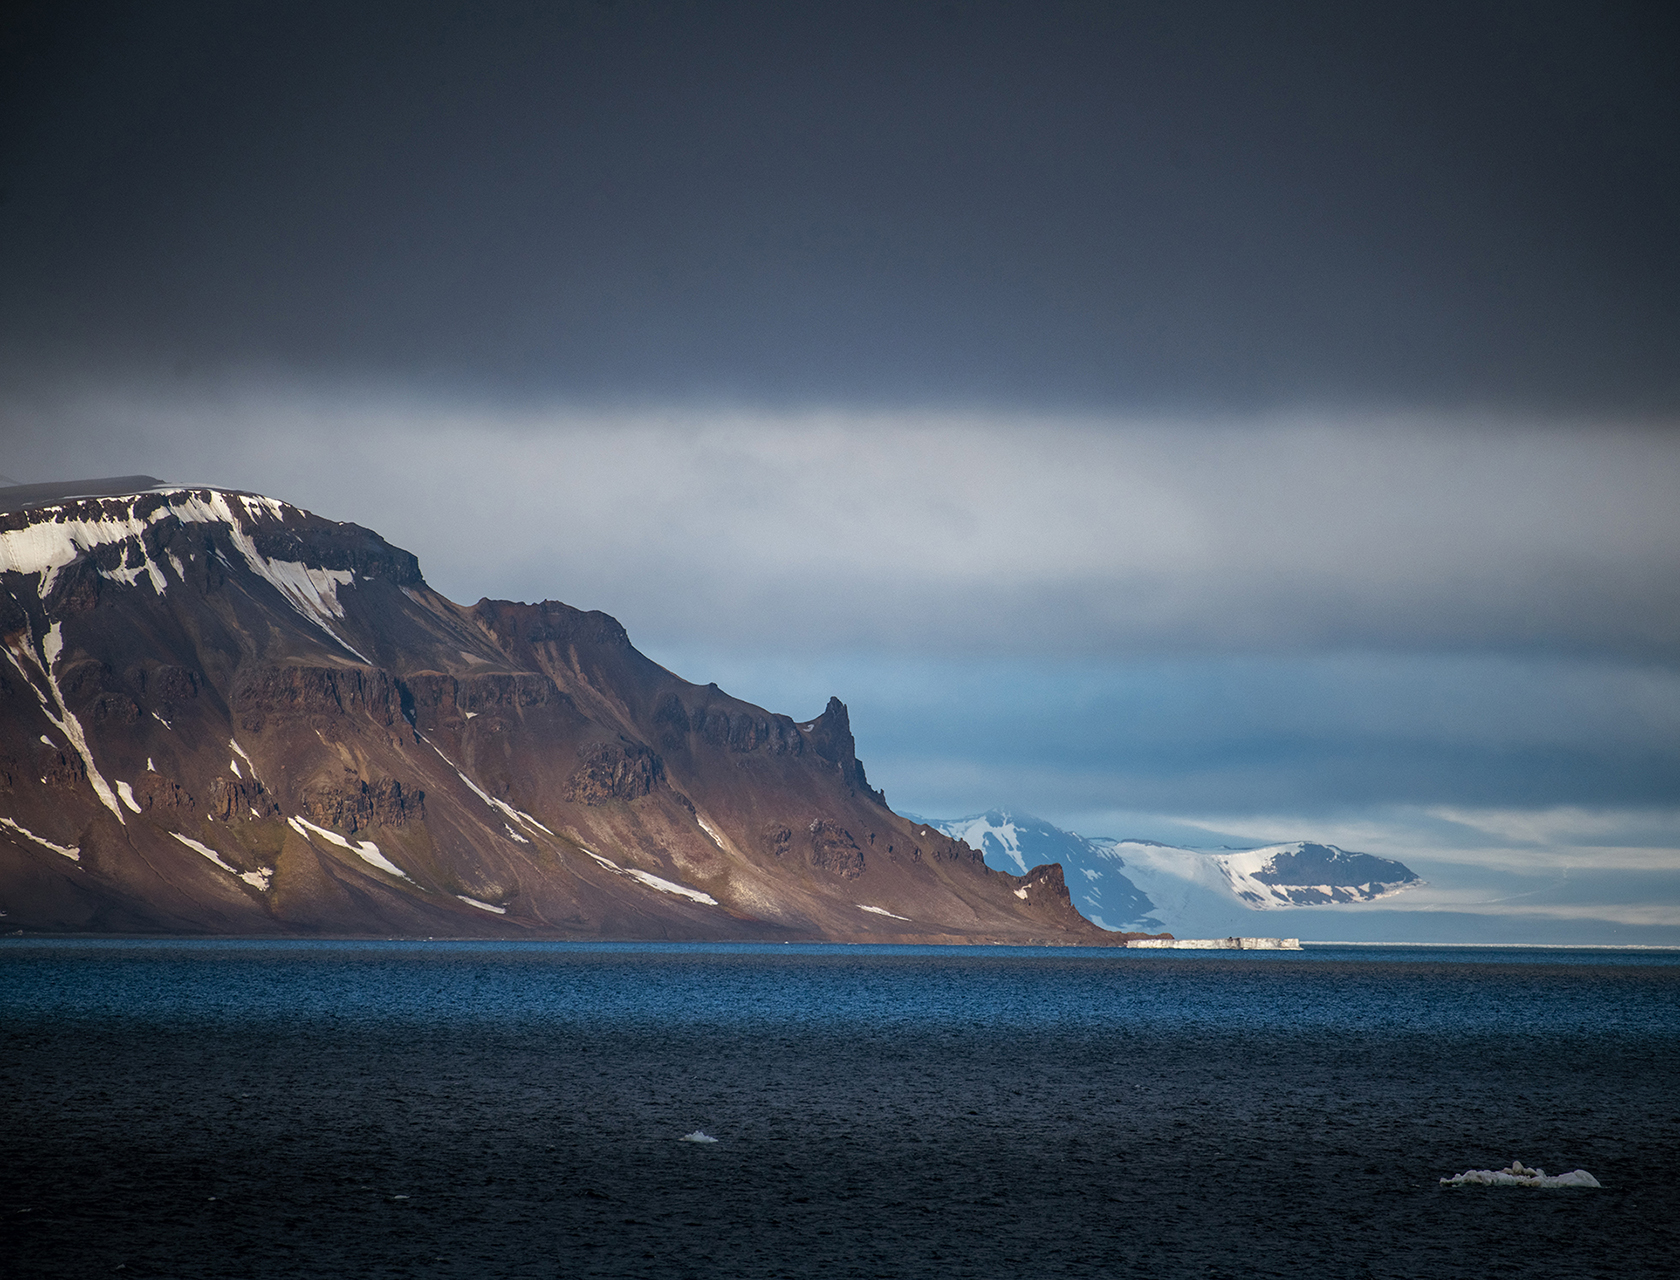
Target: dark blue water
486,1109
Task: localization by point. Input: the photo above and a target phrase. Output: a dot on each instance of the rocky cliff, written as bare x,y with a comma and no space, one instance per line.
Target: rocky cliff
222,714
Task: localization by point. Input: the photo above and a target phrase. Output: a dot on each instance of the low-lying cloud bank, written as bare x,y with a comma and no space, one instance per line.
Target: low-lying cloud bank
962,532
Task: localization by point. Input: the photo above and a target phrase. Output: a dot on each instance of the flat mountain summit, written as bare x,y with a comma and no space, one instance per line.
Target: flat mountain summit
222,714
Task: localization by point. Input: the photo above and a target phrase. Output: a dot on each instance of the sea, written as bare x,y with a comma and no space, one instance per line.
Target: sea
486,1109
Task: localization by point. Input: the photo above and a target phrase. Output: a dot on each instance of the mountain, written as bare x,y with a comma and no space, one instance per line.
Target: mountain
222,714
1139,885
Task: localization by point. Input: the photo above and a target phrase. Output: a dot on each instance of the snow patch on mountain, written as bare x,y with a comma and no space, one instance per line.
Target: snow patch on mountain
65,721
1016,843
256,879
73,852
654,882
57,536
366,850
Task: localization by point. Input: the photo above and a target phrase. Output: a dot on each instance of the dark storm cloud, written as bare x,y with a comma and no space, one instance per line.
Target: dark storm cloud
1168,205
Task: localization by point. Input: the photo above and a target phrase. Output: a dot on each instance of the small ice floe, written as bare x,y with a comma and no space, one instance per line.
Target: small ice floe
697,1136
1517,1174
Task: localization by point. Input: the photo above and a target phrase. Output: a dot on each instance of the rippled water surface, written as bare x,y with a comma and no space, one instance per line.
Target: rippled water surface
485,1109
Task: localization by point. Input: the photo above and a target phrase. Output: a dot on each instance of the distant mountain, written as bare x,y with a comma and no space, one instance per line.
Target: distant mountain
222,714
1141,885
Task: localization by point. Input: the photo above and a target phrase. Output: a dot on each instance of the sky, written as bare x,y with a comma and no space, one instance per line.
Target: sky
1216,423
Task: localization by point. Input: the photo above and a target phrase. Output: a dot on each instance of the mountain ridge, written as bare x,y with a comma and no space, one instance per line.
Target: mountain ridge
220,713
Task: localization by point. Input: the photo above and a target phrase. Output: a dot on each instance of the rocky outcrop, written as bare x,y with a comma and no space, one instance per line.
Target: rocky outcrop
352,805
236,799
832,741
835,851
155,792
296,690
614,771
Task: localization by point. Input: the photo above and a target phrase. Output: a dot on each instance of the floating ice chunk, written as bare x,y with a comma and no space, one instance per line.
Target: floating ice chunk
73,853
366,850
697,1136
880,911
1517,1174
126,794
482,906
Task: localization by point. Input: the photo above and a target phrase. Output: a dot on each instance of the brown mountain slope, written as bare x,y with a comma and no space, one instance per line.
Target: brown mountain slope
221,714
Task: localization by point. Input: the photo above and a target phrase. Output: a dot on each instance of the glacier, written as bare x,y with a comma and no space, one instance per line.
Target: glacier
1145,886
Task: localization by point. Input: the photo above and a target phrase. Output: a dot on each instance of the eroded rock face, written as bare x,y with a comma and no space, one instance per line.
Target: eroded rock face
220,712
293,689
154,791
241,798
835,851
352,805
614,771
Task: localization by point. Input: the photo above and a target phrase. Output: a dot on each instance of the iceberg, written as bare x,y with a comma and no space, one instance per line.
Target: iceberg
1517,1174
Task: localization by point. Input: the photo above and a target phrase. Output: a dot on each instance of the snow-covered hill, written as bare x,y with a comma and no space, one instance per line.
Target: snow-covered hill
1017,842
1142,885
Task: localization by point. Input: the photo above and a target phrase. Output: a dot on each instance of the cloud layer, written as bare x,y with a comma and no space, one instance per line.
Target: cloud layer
967,533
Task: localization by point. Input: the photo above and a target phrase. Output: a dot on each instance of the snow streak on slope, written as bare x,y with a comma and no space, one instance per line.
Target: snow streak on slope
72,852
256,879
655,882
366,850
65,721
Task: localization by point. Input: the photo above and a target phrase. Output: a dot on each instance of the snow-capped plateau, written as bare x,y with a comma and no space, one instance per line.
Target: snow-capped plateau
1141,885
